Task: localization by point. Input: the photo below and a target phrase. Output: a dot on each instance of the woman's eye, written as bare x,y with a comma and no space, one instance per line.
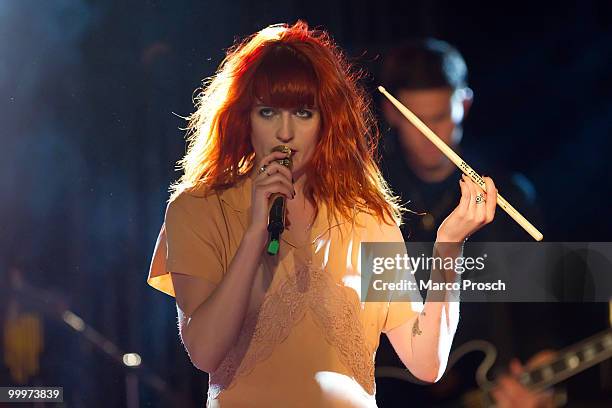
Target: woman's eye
304,113
266,112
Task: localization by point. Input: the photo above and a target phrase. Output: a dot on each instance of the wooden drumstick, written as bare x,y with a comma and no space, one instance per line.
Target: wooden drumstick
463,166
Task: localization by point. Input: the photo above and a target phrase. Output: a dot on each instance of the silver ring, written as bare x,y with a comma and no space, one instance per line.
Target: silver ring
262,169
480,198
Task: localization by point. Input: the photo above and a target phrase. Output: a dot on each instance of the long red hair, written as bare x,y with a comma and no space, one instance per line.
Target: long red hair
289,66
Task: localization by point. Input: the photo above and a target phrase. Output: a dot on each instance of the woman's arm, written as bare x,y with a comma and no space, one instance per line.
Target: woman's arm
210,317
423,343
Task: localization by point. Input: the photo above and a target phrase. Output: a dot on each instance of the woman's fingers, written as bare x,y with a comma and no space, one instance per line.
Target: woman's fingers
469,215
271,178
464,201
482,212
275,167
276,183
480,204
274,178
491,203
472,198
268,160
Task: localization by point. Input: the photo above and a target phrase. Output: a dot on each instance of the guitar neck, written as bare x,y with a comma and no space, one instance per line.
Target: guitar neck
570,361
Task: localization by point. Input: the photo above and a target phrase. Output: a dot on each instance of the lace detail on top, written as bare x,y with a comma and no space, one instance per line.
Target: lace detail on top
335,313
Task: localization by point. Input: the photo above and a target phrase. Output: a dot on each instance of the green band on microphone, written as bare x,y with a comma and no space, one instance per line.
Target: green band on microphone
273,247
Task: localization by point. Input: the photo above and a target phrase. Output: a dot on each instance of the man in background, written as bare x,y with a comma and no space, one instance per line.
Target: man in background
430,78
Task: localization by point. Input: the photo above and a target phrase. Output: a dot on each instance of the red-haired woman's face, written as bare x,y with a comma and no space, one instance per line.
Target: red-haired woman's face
297,128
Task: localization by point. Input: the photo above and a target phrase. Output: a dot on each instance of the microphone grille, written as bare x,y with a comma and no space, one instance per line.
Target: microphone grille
287,162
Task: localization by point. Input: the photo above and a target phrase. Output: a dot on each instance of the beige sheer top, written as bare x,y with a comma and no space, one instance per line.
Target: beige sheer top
307,339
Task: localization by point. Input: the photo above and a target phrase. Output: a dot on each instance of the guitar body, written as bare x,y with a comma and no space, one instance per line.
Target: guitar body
459,387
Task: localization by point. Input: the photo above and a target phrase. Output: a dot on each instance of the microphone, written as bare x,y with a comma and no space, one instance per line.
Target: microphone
276,218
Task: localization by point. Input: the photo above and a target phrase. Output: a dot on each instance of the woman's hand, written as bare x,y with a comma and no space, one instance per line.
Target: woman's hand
276,179
469,215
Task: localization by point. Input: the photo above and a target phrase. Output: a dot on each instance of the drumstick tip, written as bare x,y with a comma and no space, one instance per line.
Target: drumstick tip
382,89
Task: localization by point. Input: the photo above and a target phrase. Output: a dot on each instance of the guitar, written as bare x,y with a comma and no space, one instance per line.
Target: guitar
565,364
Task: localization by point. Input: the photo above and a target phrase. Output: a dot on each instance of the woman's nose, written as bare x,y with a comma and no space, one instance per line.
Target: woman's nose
285,130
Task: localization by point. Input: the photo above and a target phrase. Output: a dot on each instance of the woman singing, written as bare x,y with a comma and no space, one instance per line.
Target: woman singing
290,330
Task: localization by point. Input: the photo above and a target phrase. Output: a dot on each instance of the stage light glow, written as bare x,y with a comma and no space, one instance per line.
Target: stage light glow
132,359
73,321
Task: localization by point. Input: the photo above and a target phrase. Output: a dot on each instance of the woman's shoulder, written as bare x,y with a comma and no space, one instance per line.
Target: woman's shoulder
375,227
366,218
192,204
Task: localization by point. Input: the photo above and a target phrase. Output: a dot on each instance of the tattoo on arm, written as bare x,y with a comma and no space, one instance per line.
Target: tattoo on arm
415,327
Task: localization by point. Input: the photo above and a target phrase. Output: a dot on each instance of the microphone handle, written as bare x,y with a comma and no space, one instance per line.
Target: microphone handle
276,223
276,219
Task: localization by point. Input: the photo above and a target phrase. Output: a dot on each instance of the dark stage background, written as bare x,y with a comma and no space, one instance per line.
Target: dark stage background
90,98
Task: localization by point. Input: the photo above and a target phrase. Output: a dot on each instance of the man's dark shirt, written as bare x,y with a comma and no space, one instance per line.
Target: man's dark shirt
500,323
438,199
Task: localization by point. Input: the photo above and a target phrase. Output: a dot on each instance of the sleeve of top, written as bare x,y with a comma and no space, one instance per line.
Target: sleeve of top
402,307
399,313
189,243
